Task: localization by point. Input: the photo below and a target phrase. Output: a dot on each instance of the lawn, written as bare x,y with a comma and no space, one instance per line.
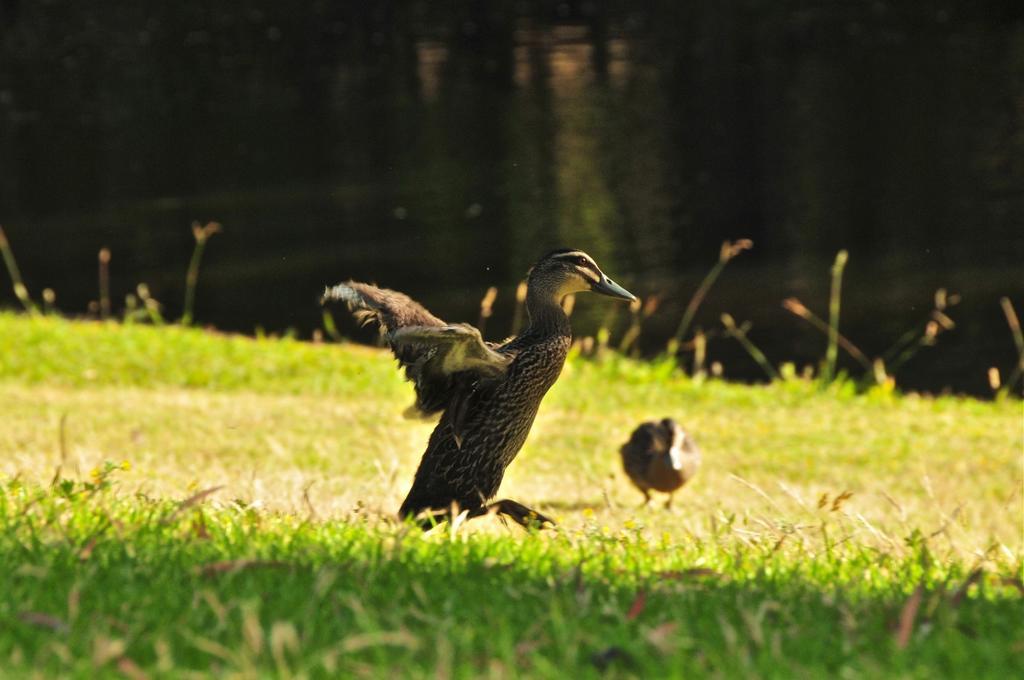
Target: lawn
178,501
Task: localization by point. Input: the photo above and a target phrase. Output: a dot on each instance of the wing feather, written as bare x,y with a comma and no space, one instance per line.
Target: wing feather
445,362
456,348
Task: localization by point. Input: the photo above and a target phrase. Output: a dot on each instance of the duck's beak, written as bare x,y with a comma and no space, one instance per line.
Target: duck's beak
612,289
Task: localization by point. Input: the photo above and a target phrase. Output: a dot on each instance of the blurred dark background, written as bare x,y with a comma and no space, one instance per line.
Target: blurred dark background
441,147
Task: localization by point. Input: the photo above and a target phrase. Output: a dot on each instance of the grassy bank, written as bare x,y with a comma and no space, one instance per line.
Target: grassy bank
818,520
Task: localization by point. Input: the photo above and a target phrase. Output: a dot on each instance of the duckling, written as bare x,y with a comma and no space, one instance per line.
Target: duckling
487,394
660,456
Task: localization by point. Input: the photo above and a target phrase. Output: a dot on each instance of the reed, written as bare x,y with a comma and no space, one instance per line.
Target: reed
602,339
797,308
917,337
913,335
486,308
994,379
131,309
728,251
640,311
700,348
1018,339
835,294
104,276
150,305
202,234
633,332
20,290
49,301
739,333
330,327
520,311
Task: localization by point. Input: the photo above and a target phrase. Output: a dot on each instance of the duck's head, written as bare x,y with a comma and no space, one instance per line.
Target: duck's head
566,271
679,443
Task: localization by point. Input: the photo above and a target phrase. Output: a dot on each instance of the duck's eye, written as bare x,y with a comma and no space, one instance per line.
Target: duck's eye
582,261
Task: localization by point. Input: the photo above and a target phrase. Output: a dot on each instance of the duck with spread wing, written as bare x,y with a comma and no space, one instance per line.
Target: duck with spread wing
487,394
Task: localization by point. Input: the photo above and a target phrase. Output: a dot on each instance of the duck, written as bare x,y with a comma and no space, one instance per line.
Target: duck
487,394
660,456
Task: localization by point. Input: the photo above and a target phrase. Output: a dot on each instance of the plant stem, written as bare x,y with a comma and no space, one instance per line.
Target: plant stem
151,306
796,307
756,354
486,308
696,300
191,279
727,252
700,348
202,234
20,291
633,332
832,352
517,316
1018,339
330,327
104,261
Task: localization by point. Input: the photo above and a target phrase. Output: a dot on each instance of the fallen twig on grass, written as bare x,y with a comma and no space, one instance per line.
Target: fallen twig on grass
231,566
190,501
635,609
974,577
44,621
693,572
907,617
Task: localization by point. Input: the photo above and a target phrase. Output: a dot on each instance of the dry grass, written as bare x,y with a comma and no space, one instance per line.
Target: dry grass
939,465
828,534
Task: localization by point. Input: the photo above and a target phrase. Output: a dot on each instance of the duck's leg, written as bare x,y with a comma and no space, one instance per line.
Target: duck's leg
668,503
647,497
426,515
518,512
427,520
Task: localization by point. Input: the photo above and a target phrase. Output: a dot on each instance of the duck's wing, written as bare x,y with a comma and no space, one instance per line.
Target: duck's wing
448,364
452,348
443,361
389,309
641,446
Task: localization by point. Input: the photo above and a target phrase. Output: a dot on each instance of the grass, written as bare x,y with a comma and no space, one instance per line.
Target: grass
828,533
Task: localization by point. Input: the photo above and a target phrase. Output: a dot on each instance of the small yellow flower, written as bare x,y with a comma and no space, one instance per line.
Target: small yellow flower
588,512
629,524
126,465
95,473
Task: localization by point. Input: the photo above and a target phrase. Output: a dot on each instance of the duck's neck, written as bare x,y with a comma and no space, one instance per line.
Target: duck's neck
546,315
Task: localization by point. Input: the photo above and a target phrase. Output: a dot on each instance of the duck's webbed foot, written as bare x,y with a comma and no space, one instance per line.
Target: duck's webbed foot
429,518
519,513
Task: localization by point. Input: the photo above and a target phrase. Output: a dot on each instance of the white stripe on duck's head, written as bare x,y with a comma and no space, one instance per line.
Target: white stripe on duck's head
567,270
677,442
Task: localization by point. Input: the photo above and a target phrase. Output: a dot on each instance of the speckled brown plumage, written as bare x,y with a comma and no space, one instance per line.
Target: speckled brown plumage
660,456
488,395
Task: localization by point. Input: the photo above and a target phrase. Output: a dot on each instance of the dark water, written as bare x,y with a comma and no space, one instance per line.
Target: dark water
440,148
